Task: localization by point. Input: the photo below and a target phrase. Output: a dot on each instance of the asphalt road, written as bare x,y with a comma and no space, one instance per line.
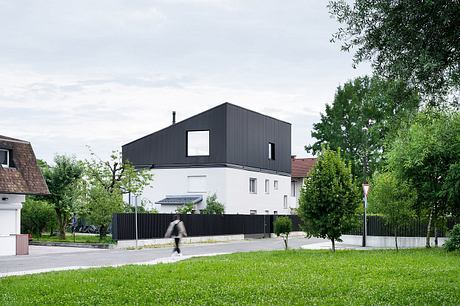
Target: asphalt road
51,258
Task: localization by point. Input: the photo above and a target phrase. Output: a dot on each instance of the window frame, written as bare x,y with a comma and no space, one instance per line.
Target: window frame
271,151
285,202
293,189
275,184
267,186
7,165
187,153
253,179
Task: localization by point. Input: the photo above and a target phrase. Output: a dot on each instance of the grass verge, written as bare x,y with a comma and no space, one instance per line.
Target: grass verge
270,278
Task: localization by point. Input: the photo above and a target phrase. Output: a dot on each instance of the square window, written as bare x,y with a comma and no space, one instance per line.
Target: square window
4,158
271,151
267,186
252,185
275,185
197,143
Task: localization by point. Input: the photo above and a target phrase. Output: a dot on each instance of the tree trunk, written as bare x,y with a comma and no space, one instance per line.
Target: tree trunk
61,224
333,245
396,239
102,232
435,235
428,229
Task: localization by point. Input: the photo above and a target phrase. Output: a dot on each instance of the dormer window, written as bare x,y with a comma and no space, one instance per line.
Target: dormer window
4,158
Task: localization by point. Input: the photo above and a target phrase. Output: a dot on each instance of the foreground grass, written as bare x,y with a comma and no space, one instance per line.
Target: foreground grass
284,278
79,238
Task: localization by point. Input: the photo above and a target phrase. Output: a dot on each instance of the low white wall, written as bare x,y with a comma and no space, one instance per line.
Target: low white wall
389,242
7,245
122,244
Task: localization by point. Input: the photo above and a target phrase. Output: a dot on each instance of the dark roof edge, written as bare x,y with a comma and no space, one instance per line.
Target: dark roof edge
8,139
204,112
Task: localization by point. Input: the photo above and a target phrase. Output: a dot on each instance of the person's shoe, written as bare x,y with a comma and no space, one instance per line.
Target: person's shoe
180,254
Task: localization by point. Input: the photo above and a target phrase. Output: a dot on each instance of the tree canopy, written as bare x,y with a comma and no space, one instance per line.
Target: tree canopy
416,41
329,199
365,114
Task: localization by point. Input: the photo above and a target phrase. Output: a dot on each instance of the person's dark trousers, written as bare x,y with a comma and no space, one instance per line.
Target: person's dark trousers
176,248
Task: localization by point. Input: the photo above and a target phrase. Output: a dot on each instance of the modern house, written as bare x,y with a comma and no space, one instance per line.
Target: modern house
300,169
242,156
19,176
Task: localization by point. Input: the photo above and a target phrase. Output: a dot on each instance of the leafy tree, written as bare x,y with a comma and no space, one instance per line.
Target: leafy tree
283,227
102,205
365,113
394,199
329,199
411,40
427,154
116,177
453,242
64,181
213,207
37,216
186,209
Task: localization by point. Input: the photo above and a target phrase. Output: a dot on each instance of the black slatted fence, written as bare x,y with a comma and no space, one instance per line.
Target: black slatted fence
154,226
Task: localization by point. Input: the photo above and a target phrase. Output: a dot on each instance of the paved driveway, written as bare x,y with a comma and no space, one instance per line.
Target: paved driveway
55,258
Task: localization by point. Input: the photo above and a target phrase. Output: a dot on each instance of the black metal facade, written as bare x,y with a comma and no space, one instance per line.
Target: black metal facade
237,138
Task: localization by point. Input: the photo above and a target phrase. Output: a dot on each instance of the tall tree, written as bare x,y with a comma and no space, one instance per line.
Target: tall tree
394,199
416,41
329,199
64,181
365,113
428,154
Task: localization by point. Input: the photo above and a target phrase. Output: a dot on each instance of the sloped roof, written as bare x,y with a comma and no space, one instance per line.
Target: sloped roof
23,176
300,167
180,200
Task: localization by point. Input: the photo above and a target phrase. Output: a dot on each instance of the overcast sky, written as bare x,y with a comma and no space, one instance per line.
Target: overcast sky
103,73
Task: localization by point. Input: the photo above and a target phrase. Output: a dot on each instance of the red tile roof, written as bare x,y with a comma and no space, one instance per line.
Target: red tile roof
24,177
300,167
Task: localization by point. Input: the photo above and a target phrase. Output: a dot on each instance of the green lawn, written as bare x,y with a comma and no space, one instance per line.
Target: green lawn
278,277
79,238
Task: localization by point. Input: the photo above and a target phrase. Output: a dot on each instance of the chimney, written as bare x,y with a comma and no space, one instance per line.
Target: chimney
174,117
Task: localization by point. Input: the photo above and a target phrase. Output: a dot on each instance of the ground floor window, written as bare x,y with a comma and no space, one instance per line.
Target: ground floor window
293,189
267,186
275,184
285,202
252,185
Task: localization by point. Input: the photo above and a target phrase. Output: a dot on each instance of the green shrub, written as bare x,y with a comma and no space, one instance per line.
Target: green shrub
283,226
453,243
37,216
213,207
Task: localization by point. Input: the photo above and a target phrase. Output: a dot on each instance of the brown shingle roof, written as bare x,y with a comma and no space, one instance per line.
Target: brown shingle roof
24,177
300,167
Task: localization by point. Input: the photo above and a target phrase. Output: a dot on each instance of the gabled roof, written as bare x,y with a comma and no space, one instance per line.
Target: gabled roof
300,167
23,176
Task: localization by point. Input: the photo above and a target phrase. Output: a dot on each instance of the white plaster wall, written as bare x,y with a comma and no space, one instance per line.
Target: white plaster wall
230,185
10,222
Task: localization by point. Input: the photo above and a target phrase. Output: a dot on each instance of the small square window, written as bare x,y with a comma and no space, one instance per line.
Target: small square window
271,151
267,186
252,185
275,185
4,158
197,143
285,202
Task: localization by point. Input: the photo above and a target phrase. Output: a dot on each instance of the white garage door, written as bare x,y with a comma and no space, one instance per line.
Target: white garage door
7,222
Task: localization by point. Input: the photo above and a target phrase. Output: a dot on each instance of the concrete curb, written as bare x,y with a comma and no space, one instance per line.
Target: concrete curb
74,244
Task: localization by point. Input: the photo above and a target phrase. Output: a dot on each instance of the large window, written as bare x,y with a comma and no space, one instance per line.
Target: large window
252,185
271,151
4,158
197,143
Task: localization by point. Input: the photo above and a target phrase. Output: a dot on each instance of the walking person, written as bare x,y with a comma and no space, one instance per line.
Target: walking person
176,230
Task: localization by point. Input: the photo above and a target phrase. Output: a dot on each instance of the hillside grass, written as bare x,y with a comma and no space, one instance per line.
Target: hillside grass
294,277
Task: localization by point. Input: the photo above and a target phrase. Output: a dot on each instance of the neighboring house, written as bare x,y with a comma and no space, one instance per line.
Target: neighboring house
19,175
299,170
241,155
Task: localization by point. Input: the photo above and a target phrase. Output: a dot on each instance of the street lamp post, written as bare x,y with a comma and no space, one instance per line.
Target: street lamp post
365,184
135,221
